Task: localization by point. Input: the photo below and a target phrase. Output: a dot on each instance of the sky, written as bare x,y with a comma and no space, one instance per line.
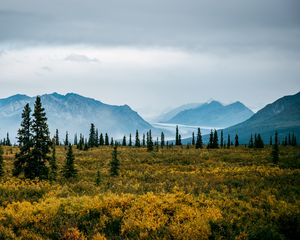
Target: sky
152,54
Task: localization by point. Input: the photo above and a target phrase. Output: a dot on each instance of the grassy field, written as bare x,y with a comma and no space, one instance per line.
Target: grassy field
175,193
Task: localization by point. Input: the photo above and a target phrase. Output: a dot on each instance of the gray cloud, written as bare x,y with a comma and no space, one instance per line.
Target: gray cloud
195,24
46,68
80,58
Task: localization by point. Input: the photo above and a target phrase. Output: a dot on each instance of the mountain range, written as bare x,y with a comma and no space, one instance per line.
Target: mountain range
212,114
72,113
282,115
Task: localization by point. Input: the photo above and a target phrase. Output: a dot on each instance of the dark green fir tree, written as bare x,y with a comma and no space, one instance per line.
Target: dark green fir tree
114,163
137,139
69,170
41,143
199,143
25,142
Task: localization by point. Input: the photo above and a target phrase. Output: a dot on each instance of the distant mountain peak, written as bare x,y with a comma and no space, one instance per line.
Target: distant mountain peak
73,113
213,114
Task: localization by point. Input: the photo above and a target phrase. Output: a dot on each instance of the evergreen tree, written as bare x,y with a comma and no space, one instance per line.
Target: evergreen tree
56,138
149,141
177,136
130,141
251,144
1,162
215,139
81,142
106,140
193,138
290,140
259,142
236,143
271,142
8,143
86,145
137,139
37,164
144,140
69,170
75,139
112,141
53,165
275,149
199,143
92,136
162,140
115,163
97,138
179,140
222,139
228,141
285,142
67,139
101,140
124,141
25,142
211,139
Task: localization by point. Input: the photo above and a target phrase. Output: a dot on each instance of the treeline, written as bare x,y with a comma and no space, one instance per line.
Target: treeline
34,159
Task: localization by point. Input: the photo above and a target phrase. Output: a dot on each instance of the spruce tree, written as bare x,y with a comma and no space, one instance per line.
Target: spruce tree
101,140
259,142
37,165
130,141
215,139
211,139
1,162
149,141
56,138
193,138
222,139
106,140
137,139
69,170
8,143
271,141
144,140
53,165
290,140
275,149
228,141
179,140
177,136
114,164
112,141
75,139
124,141
236,142
25,142
162,140
199,143
67,139
97,138
92,136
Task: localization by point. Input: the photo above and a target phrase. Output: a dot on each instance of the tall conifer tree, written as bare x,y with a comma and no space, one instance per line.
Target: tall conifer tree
199,143
37,165
25,142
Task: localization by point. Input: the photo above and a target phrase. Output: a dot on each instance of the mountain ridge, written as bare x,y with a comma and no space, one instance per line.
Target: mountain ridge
213,114
73,113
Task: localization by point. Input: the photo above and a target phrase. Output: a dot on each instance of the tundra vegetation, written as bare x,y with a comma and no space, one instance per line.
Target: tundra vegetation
146,190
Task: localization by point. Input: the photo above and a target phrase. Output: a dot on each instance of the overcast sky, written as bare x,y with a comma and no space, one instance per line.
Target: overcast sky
152,54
